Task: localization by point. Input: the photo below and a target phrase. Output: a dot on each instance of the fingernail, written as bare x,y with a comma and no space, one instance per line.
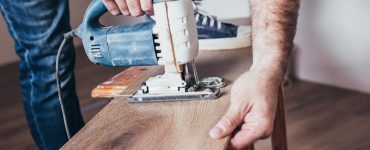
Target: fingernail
115,12
215,132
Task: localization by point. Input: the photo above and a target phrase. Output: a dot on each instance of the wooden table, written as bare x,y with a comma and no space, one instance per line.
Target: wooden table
170,125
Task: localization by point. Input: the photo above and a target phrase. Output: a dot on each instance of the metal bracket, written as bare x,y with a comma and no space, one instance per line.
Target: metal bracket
212,82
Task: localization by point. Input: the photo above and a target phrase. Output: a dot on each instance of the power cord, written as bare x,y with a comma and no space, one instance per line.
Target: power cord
67,36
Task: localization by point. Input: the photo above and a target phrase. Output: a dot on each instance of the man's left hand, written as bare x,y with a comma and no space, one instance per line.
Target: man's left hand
252,110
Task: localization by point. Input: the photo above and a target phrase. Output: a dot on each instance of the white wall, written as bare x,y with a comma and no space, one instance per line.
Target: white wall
227,9
333,40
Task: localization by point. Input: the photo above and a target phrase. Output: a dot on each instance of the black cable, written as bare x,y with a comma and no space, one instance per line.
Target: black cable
67,36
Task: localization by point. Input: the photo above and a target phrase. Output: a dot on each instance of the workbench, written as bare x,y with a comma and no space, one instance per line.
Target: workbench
168,125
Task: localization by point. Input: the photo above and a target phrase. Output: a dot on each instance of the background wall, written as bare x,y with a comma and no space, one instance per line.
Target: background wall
333,42
333,38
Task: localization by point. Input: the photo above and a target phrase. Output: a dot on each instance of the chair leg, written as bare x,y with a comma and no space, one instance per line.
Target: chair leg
251,147
278,137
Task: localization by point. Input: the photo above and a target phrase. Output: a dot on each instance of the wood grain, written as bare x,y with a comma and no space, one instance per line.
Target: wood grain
116,85
165,125
319,117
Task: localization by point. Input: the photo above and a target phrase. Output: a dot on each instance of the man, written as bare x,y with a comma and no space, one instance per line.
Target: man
37,27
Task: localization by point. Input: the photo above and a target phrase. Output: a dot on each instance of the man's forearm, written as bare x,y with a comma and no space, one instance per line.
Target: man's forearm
273,29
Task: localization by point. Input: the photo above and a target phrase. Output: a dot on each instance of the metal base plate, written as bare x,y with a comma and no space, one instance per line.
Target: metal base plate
201,94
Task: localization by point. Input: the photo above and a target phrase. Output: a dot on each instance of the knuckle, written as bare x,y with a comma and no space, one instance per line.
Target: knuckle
136,13
237,142
114,11
147,7
123,7
266,131
229,122
265,135
111,7
132,5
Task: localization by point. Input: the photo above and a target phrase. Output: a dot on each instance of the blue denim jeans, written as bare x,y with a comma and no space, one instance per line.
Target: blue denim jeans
37,27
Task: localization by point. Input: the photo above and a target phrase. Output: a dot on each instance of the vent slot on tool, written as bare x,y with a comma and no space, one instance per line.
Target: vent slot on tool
95,51
158,49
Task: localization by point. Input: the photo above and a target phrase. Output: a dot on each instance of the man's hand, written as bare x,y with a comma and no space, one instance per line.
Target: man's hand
129,7
254,95
252,110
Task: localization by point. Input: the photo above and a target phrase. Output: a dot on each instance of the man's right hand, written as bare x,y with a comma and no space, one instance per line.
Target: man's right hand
129,7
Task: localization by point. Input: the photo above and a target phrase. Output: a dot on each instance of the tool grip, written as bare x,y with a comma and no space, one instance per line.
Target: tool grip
97,9
93,13
118,45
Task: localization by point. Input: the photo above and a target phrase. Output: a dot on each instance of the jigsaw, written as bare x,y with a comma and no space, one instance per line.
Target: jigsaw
170,40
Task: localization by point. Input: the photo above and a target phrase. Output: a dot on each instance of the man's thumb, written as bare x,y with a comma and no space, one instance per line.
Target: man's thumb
226,125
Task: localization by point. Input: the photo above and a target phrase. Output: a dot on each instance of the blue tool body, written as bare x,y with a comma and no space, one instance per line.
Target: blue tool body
119,45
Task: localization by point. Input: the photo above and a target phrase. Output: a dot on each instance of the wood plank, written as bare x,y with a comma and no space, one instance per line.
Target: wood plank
318,116
166,125
116,85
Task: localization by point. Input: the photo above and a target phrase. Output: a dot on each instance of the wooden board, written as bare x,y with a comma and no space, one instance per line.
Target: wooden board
165,125
116,85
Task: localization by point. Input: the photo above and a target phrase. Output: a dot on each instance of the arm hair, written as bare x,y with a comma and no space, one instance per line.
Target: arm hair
273,29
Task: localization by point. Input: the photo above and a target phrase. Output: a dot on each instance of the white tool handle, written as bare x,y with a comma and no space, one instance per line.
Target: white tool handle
177,26
184,30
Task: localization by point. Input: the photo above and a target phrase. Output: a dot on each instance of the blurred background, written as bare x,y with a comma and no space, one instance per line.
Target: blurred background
332,40
332,49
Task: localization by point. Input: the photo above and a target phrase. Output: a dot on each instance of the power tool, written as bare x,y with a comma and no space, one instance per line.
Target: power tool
170,40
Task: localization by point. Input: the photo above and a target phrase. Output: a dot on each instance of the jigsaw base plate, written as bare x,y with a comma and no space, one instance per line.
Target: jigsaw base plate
200,94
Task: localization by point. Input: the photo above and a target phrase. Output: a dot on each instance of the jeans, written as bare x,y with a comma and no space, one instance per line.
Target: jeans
37,27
